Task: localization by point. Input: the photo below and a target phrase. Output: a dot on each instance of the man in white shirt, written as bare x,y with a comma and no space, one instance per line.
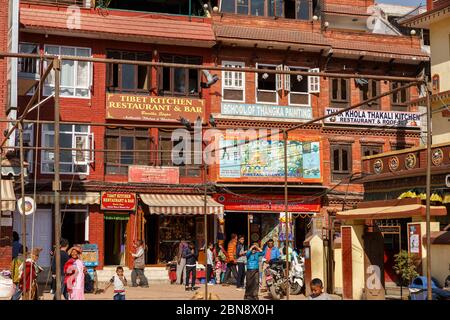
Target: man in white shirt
139,265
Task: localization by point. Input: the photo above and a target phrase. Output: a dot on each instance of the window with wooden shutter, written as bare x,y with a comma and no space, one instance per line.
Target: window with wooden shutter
341,161
400,98
233,82
339,92
266,90
370,150
370,89
314,82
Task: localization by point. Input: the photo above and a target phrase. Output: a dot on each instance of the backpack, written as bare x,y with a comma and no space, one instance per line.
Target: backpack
222,256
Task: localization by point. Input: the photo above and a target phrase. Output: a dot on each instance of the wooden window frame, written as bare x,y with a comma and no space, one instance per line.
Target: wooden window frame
135,133
395,105
371,148
339,102
266,9
109,73
338,175
186,170
171,92
376,104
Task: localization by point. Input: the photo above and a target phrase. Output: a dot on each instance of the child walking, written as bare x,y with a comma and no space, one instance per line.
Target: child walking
119,282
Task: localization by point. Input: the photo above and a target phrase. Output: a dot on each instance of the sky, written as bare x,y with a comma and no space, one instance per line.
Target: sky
403,2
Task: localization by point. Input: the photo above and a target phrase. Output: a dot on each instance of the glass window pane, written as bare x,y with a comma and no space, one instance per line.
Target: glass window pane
67,73
344,159
334,88
128,76
81,128
299,83
65,128
52,50
257,8
166,79
193,81
336,159
242,6
126,143
344,89
179,80
83,52
66,51
143,76
82,74
228,6
303,9
275,8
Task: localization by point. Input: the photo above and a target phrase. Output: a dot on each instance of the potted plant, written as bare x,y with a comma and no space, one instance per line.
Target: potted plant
406,267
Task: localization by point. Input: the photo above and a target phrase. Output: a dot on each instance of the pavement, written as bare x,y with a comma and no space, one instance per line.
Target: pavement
174,292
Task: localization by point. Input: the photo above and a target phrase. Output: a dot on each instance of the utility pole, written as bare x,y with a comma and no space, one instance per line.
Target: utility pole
205,205
26,293
286,209
56,181
428,191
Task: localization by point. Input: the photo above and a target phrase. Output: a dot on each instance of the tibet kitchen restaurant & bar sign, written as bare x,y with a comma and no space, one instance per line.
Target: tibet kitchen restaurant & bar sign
125,201
152,108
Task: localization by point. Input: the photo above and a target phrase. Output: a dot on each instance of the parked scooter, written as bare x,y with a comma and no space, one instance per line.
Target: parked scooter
276,277
296,275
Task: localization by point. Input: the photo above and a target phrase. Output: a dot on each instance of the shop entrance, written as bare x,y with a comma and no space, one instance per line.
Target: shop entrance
394,235
73,227
302,226
236,222
115,239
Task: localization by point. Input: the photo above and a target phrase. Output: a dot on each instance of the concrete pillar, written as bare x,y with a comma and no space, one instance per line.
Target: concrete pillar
314,261
418,227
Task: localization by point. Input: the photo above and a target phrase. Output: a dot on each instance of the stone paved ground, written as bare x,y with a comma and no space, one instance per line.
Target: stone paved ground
174,292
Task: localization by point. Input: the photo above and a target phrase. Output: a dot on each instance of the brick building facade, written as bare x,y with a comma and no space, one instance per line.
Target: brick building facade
250,199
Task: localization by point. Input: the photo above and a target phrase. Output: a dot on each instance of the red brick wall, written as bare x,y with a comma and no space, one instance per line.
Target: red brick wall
97,231
347,274
5,232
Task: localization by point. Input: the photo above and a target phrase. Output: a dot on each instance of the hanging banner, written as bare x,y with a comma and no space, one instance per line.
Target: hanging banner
274,203
396,119
118,201
160,175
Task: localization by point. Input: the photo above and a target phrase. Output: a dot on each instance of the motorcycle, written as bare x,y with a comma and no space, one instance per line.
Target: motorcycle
296,275
276,277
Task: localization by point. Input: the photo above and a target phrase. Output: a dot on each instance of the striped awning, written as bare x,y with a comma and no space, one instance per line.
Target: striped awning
69,198
8,196
181,204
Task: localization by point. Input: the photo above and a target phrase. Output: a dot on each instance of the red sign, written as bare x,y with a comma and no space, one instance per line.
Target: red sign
151,108
275,203
146,174
118,201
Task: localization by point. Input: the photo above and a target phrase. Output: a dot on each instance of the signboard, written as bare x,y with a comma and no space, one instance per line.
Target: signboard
266,111
275,203
396,119
263,160
151,108
118,201
30,205
147,174
414,242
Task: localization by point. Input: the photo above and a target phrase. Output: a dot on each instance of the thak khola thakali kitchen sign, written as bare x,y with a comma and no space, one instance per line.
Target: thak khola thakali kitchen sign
396,119
118,201
151,108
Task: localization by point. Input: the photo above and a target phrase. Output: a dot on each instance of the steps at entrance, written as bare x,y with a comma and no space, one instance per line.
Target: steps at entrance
153,274
394,292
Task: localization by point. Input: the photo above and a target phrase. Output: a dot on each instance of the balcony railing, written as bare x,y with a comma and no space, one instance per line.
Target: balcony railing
63,3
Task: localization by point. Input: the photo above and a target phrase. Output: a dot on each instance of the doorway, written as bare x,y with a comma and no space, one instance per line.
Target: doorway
236,222
302,226
115,241
73,227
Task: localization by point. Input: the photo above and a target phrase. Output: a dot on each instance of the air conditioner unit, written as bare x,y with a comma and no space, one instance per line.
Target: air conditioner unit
447,180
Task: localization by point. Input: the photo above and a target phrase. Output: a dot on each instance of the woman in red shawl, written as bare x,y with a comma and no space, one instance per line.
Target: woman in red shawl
30,290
